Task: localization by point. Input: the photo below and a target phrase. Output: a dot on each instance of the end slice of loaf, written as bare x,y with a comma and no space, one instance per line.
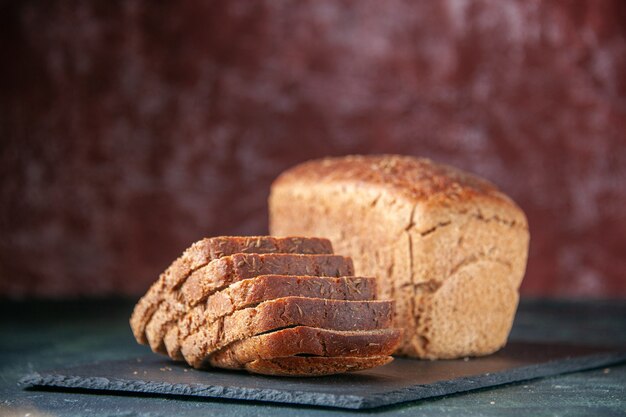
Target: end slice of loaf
253,291
303,340
206,250
285,312
302,366
224,271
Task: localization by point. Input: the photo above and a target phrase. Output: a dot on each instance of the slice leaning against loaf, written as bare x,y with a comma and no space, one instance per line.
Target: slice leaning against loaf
300,366
303,340
252,291
229,269
201,253
285,312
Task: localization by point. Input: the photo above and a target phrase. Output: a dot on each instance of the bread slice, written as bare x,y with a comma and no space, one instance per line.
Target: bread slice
205,281
229,269
447,246
302,366
206,250
252,291
303,340
285,312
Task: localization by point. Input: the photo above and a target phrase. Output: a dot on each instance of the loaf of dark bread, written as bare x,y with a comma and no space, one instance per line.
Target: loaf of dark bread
447,246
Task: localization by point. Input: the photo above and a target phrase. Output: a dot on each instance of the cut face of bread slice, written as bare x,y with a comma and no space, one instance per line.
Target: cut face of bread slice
301,366
225,271
286,312
206,250
304,340
229,269
252,291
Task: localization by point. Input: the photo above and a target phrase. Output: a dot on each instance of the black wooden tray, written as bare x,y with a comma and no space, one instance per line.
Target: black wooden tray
400,381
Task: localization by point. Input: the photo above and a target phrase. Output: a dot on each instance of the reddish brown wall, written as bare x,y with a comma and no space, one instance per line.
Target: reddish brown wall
131,129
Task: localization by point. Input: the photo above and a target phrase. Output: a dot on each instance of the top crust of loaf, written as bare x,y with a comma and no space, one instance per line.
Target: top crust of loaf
418,180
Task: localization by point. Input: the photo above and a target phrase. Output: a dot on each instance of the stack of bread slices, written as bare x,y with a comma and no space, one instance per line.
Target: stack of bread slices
276,306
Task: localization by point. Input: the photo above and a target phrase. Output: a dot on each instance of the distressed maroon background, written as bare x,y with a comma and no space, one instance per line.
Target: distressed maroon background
130,129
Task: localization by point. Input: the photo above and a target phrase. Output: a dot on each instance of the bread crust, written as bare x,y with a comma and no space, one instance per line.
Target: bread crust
418,180
299,366
416,225
285,312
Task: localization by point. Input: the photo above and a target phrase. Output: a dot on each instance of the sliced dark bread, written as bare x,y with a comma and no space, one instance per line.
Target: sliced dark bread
206,250
252,291
224,271
302,340
285,312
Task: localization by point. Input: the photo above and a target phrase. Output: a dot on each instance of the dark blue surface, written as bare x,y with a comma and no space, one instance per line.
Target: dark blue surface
54,335
401,381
